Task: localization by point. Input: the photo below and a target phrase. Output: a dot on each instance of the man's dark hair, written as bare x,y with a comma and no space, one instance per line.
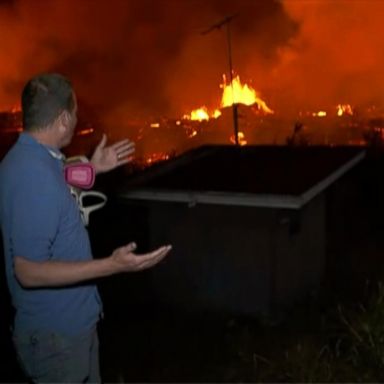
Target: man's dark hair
43,98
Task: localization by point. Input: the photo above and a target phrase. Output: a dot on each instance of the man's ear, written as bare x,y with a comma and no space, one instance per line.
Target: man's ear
64,120
66,117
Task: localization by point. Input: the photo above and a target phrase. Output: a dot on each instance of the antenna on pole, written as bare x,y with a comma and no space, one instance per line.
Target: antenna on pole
226,21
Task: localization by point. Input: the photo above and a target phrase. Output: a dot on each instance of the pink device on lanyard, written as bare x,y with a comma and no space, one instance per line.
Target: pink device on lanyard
80,175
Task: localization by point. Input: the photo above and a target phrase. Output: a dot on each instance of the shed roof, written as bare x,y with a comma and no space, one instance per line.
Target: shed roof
265,176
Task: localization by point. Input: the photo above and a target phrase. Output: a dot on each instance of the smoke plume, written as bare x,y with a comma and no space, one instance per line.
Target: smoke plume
131,59
336,56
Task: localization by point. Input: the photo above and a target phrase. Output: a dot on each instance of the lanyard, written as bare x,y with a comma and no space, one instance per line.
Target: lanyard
59,156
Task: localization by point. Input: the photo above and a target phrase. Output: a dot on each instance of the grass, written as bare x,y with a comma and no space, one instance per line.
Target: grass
340,343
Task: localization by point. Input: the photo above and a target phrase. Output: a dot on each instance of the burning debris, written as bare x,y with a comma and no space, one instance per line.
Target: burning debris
162,138
344,109
202,113
233,93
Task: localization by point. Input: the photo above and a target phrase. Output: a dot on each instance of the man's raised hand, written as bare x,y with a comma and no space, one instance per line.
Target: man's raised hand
125,260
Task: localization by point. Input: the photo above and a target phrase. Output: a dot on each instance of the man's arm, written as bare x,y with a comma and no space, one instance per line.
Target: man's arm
38,274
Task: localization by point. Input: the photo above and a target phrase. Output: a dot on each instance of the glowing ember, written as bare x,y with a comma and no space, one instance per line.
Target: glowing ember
193,133
216,114
344,109
201,114
156,157
155,125
240,137
241,94
85,132
319,114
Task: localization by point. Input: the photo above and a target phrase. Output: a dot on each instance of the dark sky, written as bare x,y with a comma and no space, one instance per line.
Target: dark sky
142,57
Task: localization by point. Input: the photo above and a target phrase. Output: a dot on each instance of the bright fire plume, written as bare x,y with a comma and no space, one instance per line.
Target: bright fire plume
238,93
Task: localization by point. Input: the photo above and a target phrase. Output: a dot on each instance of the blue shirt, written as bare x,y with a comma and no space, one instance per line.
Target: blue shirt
40,221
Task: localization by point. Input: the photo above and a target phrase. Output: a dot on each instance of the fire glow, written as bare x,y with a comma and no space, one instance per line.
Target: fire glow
240,137
233,93
201,114
320,114
344,109
238,93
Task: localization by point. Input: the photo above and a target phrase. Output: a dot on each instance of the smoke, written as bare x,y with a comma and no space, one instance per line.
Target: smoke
141,58
105,48
336,56
130,58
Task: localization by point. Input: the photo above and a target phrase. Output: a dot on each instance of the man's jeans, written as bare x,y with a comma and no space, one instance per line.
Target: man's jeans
50,357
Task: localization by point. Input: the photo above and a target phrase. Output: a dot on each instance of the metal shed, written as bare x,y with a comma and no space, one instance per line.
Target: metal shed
247,224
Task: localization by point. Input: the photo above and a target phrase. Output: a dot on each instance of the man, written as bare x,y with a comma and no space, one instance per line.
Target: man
49,265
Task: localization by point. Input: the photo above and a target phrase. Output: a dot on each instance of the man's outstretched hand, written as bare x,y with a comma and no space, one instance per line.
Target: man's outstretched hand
125,260
105,158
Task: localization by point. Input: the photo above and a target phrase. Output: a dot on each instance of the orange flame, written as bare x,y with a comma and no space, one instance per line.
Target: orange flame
344,109
241,94
201,114
237,93
85,132
319,114
240,137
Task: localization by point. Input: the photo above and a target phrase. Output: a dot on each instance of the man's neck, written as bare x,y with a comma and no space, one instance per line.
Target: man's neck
45,137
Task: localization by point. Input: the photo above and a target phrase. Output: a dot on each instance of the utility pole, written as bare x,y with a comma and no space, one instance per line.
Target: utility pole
218,25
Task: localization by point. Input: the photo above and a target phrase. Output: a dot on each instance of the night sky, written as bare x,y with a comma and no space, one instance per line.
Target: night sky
149,57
